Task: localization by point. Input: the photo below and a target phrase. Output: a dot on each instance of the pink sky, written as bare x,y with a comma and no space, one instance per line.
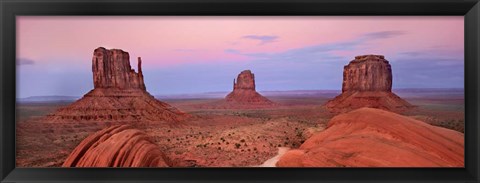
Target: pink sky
187,54
164,41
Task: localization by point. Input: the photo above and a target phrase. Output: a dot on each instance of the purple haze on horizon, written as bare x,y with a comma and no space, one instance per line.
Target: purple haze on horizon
204,54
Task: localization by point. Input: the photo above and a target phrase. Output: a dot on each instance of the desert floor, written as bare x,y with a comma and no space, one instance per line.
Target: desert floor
216,137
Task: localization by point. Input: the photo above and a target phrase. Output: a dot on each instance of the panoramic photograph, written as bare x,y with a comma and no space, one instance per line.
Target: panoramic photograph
240,91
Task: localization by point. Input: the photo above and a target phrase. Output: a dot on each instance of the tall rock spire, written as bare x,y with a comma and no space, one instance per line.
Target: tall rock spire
141,83
140,65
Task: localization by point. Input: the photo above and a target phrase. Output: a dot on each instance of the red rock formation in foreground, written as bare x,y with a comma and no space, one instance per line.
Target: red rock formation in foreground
116,146
370,137
367,82
244,92
119,94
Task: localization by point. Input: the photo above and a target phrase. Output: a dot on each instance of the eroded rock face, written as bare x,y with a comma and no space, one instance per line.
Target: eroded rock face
367,73
370,137
117,146
245,81
119,95
111,69
367,82
244,92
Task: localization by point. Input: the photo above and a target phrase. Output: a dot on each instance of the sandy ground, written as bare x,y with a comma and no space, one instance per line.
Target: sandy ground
273,161
211,137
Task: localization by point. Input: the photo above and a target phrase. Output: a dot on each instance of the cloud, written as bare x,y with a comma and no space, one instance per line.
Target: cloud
434,67
428,72
383,34
238,52
264,39
433,52
411,53
319,61
25,61
320,51
233,51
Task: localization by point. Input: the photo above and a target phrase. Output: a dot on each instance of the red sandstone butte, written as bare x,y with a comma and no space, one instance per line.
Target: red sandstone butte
367,82
370,137
119,94
117,146
111,69
244,92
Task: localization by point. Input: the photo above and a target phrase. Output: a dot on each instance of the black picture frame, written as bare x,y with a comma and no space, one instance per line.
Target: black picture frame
9,9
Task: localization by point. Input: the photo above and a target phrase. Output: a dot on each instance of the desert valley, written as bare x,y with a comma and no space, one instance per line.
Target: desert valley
120,124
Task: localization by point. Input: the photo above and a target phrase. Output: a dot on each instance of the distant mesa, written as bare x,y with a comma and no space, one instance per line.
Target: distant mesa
117,146
244,92
367,82
245,81
119,94
243,96
369,137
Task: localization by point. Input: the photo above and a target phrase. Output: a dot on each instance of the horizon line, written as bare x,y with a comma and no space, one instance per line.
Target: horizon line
207,92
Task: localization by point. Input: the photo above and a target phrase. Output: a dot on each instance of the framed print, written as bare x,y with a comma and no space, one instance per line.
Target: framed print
293,91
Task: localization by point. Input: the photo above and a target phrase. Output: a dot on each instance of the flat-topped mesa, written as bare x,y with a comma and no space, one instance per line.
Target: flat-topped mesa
245,81
367,73
367,82
111,69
